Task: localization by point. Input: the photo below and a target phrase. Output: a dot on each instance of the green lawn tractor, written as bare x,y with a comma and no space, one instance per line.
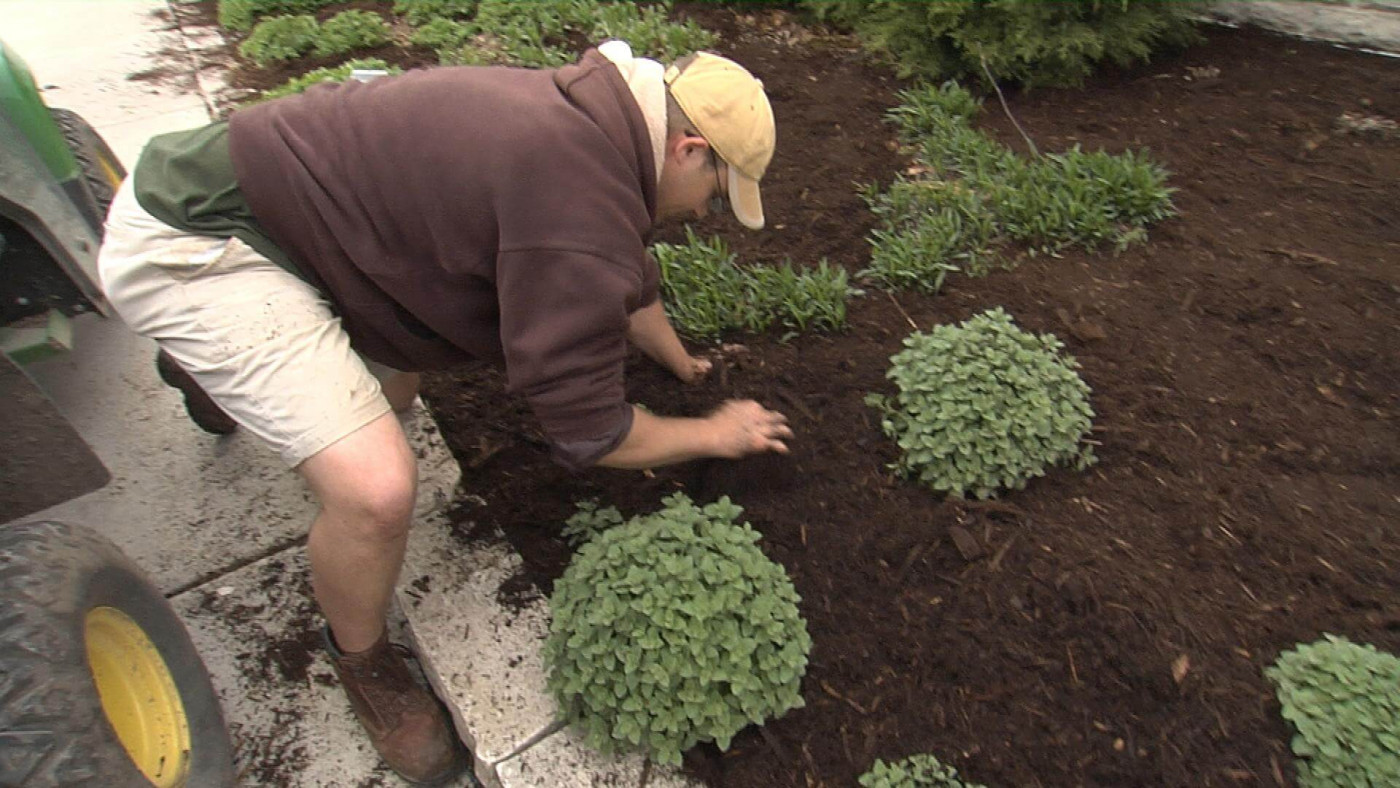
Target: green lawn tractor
100,684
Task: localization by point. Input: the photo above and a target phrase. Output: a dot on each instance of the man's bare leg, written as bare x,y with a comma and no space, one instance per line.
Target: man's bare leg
367,483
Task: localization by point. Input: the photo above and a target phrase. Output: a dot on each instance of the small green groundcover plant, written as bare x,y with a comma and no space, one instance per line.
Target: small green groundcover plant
350,30
916,771
1343,700
985,406
280,38
672,629
242,14
708,293
541,33
288,37
970,194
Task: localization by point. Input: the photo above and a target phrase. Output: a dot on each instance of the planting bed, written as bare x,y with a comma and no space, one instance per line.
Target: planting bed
1109,627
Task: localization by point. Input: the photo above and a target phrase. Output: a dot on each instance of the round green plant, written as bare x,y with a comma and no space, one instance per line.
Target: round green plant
673,629
1343,700
916,771
984,406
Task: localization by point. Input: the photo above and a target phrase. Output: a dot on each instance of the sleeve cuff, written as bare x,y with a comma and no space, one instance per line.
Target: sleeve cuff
580,455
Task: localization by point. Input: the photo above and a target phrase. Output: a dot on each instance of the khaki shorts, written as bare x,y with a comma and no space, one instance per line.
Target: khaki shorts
262,342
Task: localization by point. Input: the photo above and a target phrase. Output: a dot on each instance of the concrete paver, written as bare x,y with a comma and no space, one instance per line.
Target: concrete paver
564,760
483,658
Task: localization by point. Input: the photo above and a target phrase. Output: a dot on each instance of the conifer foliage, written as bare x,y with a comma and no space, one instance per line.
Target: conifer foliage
1032,42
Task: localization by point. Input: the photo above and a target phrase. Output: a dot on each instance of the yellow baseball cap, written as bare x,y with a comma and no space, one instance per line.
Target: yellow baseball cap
730,110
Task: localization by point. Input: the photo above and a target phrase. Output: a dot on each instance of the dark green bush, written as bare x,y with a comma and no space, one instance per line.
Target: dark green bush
350,30
984,406
673,629
1032,42
280,38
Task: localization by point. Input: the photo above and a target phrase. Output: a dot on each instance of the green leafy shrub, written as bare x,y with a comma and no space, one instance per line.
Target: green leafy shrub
589,521
1343,700
970,194
1027,41
708,294
916,771
423,12
241,14
349,30
984,406
673,629
338,73
280,38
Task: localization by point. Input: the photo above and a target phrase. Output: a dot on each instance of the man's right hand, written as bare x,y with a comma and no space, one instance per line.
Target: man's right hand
735,429
743,427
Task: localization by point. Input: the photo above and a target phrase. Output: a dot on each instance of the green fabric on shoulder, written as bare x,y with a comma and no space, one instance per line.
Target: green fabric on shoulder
186,180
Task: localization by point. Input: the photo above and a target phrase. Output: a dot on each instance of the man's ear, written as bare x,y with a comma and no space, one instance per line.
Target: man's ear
687,148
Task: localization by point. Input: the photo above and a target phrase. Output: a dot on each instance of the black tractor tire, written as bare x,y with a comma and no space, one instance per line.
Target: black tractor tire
94,156
53,728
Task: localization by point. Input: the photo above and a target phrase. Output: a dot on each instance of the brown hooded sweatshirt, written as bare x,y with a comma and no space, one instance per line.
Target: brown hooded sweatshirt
451,214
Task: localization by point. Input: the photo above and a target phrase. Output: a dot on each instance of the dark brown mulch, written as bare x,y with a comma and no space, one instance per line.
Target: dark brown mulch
1113,626
1105,628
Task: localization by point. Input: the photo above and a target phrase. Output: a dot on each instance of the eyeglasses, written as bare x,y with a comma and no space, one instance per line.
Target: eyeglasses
717,201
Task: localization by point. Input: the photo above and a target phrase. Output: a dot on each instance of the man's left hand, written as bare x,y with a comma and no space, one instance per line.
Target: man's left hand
694,369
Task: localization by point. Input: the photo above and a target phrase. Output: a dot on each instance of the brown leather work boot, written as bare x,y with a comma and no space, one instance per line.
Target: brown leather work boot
202,409
407,725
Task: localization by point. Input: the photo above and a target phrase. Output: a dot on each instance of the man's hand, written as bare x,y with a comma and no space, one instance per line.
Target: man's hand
745,427
650,330
694,369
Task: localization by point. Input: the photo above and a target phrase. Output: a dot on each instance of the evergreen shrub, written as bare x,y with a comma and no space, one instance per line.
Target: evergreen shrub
984,406
442,35
673,629
1031,42
422,12
1343,701
240,15
280,38
349,30
916,771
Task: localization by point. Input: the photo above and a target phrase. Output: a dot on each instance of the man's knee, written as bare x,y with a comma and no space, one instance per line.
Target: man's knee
367,482
381,510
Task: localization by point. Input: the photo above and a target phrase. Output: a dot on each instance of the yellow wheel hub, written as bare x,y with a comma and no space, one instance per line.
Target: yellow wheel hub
139,696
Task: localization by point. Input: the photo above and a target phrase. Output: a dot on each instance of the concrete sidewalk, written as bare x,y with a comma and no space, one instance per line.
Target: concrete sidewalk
220,524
